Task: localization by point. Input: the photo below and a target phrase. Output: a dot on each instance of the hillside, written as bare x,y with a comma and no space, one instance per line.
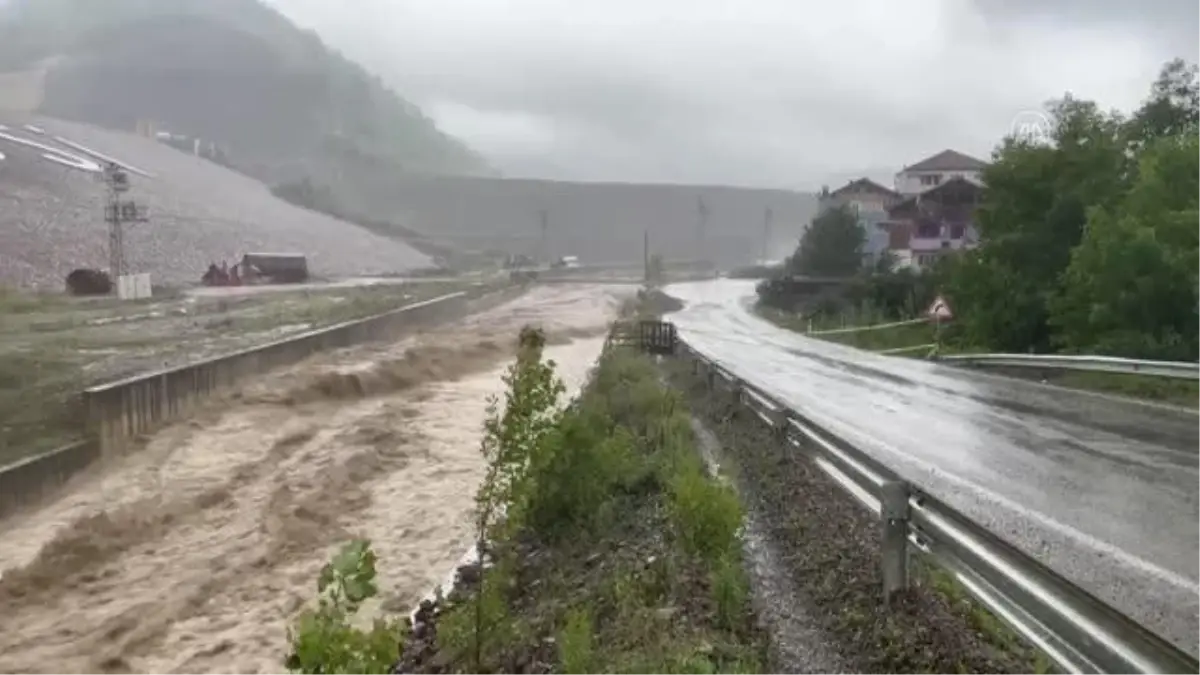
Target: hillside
233,72
599,222
51,216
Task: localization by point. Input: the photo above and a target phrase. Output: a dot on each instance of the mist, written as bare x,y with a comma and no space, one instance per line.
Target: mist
771,93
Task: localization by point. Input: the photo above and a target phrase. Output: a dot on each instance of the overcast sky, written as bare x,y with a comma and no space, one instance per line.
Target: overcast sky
782,93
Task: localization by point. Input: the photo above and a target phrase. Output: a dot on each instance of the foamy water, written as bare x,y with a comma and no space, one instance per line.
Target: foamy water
192,553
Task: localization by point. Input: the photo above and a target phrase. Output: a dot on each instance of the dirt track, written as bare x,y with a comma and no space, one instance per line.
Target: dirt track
191,553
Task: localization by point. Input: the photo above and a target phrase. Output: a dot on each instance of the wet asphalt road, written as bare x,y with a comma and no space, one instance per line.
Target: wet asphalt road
1103,490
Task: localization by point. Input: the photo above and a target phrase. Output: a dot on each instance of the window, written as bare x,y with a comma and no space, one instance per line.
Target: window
931,179
928,230
957,231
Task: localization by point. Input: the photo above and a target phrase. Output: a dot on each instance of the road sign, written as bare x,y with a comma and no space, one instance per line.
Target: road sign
940,309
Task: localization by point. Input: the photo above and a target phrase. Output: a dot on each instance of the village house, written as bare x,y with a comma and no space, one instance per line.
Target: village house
931,213
935,222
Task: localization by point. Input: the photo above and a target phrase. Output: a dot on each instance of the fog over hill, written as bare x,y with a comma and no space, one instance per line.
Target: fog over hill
599,222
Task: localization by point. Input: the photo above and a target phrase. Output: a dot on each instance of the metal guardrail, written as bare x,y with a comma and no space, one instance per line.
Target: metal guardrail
1184,370
1079,632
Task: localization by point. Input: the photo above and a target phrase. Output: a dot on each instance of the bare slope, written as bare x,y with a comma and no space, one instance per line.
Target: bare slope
51,216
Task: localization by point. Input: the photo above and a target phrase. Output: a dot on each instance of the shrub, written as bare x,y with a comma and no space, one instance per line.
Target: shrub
323,641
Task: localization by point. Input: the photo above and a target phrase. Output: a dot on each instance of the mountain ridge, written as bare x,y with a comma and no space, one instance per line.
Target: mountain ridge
235,72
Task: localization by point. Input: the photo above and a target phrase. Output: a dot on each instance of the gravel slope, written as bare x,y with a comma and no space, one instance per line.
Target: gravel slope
51,216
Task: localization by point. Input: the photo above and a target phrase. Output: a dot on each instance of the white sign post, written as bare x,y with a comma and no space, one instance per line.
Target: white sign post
939,311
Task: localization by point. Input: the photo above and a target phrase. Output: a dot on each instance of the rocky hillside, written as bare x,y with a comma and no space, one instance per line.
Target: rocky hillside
51,216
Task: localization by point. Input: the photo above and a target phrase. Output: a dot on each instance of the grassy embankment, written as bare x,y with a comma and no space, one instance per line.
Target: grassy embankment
53,345
1178,392
873,339
609,547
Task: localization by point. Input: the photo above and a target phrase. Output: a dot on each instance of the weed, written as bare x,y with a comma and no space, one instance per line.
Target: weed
708,514
730,592
575,643
323,641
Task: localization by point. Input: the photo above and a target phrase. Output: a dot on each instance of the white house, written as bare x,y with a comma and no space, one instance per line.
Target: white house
938,169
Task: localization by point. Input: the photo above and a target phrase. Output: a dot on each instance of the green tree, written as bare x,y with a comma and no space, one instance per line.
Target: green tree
831,246
1032,216
1173,107
1130,288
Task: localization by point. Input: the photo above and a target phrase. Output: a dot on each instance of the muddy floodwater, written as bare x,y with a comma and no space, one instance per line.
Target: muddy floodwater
191,552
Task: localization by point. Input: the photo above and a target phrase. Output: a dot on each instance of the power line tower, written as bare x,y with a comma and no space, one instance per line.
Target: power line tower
118,211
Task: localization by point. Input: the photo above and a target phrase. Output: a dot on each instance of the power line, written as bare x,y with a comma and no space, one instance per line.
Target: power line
117,212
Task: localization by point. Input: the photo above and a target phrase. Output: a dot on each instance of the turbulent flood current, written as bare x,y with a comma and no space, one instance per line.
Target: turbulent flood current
192,551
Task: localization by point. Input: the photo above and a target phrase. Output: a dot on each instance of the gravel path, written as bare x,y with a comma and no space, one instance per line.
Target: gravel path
829,546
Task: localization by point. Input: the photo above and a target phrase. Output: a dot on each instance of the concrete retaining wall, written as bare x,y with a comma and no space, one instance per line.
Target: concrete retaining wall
26,481
119,411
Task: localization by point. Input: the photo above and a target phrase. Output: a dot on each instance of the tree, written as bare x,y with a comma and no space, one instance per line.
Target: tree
831,246
1032,216
1174,104
1130,288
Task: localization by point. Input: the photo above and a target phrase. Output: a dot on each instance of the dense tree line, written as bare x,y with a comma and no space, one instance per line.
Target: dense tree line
1089,238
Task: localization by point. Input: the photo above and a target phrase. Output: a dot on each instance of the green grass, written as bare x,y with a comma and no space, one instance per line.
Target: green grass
977,616
874,340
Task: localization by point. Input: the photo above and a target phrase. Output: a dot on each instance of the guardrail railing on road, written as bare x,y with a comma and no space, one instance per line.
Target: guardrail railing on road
1184,370
1078,631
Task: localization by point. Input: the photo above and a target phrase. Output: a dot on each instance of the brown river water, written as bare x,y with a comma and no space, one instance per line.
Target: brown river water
192,552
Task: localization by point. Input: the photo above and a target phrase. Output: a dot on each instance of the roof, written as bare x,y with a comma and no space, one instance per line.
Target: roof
868,184
933,192
948,160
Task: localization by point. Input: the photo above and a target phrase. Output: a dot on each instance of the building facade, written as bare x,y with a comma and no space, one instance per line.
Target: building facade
934,223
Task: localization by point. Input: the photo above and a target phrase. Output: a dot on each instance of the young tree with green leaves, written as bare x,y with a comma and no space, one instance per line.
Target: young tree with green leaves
832,246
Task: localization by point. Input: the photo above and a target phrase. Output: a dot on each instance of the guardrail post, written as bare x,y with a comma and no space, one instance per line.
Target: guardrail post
779,422
893,513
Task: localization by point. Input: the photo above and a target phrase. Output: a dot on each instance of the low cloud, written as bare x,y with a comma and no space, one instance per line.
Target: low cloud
772,92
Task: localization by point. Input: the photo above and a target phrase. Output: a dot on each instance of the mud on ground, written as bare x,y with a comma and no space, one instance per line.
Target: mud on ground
830,546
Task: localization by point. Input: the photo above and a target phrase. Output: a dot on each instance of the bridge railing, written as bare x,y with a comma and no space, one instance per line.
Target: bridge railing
1078,631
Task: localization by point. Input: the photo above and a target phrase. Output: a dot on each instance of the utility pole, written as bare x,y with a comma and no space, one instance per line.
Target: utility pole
646,254
767,217
117,212
544,223
701,226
